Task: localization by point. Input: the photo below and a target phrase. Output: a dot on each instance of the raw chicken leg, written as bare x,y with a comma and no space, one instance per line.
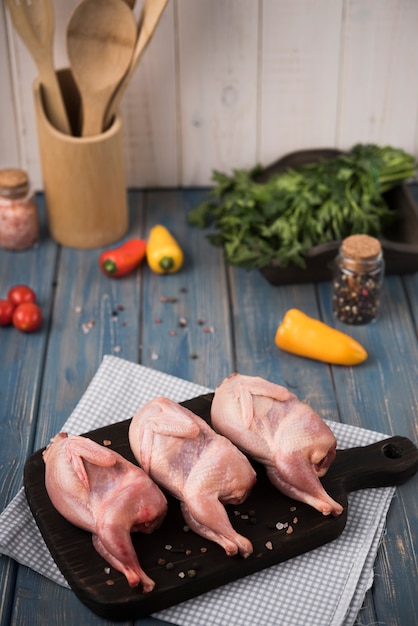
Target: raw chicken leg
98,490
270,424
204,470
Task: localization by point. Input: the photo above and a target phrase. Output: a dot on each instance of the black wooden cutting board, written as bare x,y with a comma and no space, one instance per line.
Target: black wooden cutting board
280,528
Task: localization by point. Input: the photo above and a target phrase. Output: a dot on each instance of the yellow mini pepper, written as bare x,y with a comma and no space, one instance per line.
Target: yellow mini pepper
302,335
164,254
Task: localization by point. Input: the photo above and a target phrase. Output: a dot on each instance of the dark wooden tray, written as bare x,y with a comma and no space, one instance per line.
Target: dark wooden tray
400,247
206,566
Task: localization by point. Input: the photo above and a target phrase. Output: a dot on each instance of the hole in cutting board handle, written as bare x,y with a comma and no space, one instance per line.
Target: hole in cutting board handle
392,451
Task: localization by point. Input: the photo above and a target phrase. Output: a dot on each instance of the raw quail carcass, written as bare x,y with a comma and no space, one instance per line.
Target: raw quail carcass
97,489
271,425
204,470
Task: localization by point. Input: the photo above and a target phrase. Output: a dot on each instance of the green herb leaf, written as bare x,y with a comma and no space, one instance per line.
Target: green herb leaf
279,220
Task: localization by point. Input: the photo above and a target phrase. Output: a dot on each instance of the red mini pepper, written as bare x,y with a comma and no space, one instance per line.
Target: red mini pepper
122,260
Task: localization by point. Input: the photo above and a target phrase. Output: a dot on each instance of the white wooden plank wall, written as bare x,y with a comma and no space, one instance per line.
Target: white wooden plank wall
228,83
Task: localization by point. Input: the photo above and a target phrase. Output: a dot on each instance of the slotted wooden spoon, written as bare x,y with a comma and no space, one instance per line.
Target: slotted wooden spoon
34,22
150,16
101,36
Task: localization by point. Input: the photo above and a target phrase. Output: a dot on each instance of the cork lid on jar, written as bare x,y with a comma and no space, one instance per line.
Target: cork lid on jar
360,250
14,183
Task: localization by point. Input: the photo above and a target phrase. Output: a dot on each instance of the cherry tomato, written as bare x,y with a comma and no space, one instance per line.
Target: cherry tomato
20,294
6,312
27,317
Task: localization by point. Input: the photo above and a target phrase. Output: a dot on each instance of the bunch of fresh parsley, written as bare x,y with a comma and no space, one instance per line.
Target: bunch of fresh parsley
277,221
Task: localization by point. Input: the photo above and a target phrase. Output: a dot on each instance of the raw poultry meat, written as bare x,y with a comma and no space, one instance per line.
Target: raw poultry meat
97,489
271,425
204,470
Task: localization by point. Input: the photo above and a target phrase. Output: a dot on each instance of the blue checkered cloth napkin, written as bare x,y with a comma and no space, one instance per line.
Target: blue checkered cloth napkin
324,587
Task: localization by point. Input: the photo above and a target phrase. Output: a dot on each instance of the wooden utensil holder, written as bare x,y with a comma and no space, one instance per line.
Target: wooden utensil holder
84,177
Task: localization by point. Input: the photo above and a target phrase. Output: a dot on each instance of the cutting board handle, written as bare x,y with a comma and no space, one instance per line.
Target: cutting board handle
388,462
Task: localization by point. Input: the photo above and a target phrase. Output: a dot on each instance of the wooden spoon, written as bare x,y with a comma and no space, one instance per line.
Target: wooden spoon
101,36
150,16
34,21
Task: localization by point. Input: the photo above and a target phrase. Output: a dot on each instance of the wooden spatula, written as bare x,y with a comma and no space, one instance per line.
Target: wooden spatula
34,21
150,16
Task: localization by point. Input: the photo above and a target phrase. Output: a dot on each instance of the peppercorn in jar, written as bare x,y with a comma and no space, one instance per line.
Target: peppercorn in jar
357,281
19,224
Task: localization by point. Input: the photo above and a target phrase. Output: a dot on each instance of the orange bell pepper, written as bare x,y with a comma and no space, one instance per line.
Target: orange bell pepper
302,335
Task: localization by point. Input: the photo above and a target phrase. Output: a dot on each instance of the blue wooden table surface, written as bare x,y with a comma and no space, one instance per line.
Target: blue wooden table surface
44,374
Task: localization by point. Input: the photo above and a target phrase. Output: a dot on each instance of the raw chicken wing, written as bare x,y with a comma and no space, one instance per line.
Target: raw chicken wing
270,424
98,490
202,469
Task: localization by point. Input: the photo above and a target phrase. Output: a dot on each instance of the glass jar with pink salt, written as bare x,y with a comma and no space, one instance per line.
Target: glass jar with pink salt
19,222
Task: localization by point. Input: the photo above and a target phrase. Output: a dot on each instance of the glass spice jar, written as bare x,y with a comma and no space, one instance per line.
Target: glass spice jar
357,281
19,223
